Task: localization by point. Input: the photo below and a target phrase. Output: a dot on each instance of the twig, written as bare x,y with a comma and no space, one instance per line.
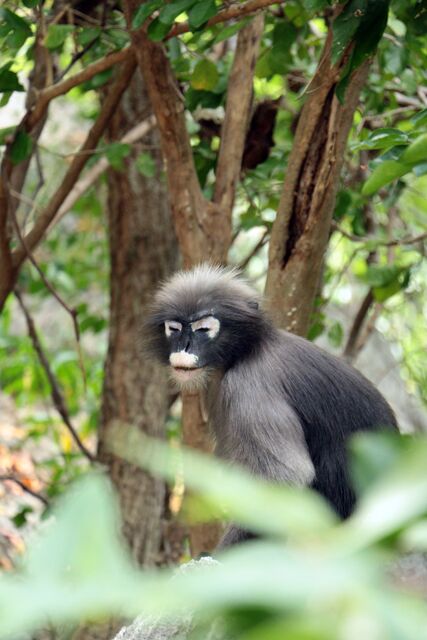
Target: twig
350,349
76,167
94,172
380,243
6,478
56,394
234,11
58,89
76,57
70,310
261,242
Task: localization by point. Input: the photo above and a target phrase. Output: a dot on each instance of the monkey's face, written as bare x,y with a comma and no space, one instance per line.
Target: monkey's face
192,346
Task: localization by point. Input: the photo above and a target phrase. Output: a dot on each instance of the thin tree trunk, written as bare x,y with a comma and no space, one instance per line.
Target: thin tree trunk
143,251
301,230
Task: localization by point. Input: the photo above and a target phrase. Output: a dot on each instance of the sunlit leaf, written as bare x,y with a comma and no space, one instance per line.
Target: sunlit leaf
144,11
417,150
383,174
157,30
56,35
172,10
201,12
205,75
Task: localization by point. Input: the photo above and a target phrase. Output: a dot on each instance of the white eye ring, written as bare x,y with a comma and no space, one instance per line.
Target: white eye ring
210,324
171,327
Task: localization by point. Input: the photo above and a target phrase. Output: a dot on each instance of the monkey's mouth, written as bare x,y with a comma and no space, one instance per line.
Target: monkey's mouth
192,376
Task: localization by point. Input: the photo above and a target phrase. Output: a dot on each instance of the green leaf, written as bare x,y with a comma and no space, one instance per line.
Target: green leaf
336,334
9,80
146,165
116,153
370,31
21,147
383,174
420,118
18,28
205,76
88,35
396,499
6,134
345,26
172,10
417,150
373,455
56,35
383,139
144,11
316,5
231,30
31,4
20,518
157,30
201,12
381,275
255,503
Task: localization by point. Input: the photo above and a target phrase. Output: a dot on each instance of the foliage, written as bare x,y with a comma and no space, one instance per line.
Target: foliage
315,578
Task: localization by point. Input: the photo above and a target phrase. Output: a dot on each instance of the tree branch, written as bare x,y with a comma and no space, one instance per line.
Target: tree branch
380,243
89,179
20,483
238,106
261,242
58,89
202,231
350,349
57,397
234,11
70,178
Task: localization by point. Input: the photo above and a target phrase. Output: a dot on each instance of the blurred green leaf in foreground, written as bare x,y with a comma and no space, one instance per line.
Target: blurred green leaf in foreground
311,577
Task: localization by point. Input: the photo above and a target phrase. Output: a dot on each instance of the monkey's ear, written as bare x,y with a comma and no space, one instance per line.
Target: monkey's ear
253,304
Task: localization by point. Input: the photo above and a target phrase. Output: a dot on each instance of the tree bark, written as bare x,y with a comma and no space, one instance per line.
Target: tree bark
143,250
301,230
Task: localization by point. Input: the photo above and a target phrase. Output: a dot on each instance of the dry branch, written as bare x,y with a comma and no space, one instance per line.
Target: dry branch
89,179
350,349
58,89
380,243
20,483
237,112
233,12
70,178
57,397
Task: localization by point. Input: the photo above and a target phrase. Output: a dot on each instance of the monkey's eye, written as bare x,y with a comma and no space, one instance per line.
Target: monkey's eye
172,327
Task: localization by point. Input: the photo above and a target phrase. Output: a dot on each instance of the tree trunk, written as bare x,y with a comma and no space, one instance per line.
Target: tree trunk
301,230
143,251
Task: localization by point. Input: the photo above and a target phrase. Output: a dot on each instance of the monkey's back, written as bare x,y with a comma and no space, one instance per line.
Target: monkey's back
287,411
332,400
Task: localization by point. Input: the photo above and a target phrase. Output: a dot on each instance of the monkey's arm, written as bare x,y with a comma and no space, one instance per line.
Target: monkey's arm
265,437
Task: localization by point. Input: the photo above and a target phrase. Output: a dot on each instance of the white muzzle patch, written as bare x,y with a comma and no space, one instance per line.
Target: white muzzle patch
182,359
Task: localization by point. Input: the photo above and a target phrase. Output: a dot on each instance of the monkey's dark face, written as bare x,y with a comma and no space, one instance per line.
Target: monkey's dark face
193,346
202,321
